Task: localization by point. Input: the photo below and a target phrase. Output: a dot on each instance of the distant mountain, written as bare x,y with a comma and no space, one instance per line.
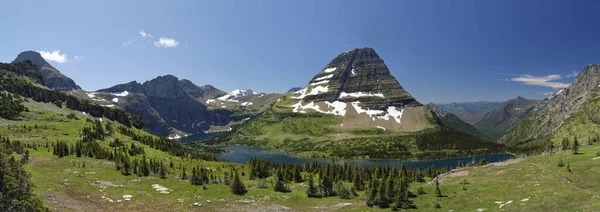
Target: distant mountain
210,92
571,112
52,78
470,112
236,94
498,122
450,120
167,105
354,107
294,89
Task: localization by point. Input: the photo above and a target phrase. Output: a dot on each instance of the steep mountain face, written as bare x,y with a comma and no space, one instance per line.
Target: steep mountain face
358,86
570,111
167,105
498,122
450,120
470,112
52,78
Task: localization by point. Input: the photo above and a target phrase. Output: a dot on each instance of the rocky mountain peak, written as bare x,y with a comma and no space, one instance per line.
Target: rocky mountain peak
355,75
35,58
52,78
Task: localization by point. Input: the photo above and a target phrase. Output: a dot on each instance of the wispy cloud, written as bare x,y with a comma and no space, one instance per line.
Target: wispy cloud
128,42
573,74
54,56
166,42
78,58
546,81
145,35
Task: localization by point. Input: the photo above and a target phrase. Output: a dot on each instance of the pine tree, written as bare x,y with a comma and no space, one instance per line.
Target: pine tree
438,192
163,172
312,190
238,187
183,174
371,193
279,183
575,146
297,176
402,200
568,166
382,199
560,163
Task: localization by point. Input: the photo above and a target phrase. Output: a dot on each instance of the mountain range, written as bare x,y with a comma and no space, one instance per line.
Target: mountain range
354,104
352,97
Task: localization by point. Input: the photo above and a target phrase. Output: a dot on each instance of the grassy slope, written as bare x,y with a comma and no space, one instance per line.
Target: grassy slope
580,123
65,186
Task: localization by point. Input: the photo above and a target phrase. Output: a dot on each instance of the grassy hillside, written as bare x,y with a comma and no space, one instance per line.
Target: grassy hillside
65,184
315,134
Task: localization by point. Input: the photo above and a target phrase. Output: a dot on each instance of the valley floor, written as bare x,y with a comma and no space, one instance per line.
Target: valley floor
524,184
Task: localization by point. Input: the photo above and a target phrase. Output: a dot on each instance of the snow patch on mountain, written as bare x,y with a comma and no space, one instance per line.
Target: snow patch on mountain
329,70
360,94
391,112
321,82
337,108
237,93
122,94
116,100
324,77
210,101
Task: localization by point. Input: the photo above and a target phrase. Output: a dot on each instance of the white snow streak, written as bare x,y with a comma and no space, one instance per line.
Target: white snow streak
360,94
329,70
324,77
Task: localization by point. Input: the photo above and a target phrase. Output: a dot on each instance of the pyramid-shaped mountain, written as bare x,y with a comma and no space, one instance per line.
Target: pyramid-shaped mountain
52,78
358,86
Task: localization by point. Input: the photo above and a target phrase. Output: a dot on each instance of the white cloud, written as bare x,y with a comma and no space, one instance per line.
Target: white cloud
166,42
54,56
78,58
128,42
573,74
546,81
145,35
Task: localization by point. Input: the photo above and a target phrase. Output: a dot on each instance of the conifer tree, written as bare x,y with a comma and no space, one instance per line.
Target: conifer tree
438,192
312,190
237,186
575,148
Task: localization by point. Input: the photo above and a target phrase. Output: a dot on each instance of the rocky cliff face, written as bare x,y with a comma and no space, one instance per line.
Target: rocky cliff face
52,78
549,116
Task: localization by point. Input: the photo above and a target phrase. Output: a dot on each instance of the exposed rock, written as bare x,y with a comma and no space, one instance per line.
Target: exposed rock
52,78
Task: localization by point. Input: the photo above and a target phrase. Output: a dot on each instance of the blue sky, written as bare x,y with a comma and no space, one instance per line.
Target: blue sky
440,51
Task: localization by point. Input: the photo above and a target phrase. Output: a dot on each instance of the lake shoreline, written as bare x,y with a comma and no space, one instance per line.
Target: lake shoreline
242,154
